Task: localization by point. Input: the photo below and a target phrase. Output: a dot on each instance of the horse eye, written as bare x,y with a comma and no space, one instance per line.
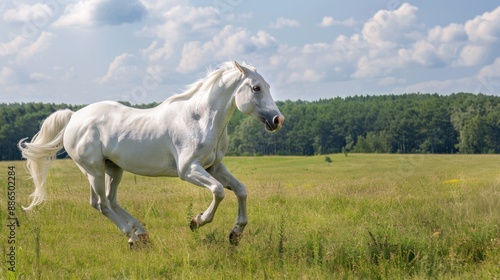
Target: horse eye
256,88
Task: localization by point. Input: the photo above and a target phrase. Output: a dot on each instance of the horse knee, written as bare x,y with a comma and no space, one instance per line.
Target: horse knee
240,191
241,194
218,192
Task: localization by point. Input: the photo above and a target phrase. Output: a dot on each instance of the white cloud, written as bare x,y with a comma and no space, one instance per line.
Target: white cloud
472,55
38,77
390,81
489,78
15,76
379,48
308,76
492,70
158,7
367,54
158,54
176,24
327,21
262,40
450,34
485,27
77,14
229,43
183,21
386,48
192,55
179,38
41,44
24,12
7,76
13,47
388,41
367,68
102,12
388,25
429,54
23,48
124,67
330,21
282,22
486,80
459,45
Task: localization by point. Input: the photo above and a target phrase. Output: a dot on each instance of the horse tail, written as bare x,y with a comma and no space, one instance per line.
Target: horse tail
42,151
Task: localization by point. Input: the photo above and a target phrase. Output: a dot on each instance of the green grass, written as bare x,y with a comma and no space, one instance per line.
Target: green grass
368,216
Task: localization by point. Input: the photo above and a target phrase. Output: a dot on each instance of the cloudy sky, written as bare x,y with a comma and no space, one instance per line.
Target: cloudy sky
83,51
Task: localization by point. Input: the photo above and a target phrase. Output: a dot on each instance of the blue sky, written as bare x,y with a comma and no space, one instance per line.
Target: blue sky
83,51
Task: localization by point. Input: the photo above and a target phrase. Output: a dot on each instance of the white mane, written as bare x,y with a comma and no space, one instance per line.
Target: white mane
205,84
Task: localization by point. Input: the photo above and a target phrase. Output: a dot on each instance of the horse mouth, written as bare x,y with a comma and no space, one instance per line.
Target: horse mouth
275,125
269,126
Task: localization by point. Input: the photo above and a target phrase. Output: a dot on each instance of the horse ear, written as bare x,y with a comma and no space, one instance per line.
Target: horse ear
242,70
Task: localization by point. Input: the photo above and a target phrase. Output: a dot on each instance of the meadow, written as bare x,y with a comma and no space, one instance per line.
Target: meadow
365,216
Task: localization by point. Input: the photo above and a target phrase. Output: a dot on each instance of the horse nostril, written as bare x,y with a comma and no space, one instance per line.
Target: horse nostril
276,120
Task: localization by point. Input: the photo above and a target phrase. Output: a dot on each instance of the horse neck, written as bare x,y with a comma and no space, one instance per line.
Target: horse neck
214,104
219,102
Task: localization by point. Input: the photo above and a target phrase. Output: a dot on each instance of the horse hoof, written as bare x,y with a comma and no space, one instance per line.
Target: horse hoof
143,241
194,222
234,238
193,225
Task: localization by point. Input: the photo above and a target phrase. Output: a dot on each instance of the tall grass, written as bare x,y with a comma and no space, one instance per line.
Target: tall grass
362,216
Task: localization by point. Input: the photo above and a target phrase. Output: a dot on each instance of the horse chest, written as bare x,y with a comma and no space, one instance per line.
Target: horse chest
211,152
208,156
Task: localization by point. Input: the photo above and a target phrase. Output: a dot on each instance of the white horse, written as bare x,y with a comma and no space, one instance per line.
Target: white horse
185,137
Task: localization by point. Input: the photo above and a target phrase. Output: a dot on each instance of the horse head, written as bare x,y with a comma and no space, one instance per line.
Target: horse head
253,97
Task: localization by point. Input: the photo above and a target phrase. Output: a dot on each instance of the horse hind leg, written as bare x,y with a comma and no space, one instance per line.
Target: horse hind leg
113,177
101,203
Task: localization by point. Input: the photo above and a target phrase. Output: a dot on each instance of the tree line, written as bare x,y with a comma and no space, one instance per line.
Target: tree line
408,123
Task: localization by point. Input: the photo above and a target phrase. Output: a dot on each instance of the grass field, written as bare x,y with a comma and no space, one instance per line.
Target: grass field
365,216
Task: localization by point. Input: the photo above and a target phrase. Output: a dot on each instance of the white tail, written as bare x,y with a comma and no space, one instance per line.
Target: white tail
42,151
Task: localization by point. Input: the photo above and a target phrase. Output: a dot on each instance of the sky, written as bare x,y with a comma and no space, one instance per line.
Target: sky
142,51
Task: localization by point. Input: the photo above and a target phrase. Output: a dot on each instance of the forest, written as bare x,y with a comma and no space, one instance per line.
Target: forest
409,123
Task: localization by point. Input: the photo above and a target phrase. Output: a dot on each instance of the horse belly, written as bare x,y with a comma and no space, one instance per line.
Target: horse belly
146,164
144,160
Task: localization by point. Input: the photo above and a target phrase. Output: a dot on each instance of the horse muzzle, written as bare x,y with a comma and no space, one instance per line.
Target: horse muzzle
275,124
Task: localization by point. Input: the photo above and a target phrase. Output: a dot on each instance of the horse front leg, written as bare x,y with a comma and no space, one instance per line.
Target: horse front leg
220,172
197,175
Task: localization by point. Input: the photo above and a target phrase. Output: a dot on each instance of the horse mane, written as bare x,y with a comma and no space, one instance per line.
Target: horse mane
205,84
